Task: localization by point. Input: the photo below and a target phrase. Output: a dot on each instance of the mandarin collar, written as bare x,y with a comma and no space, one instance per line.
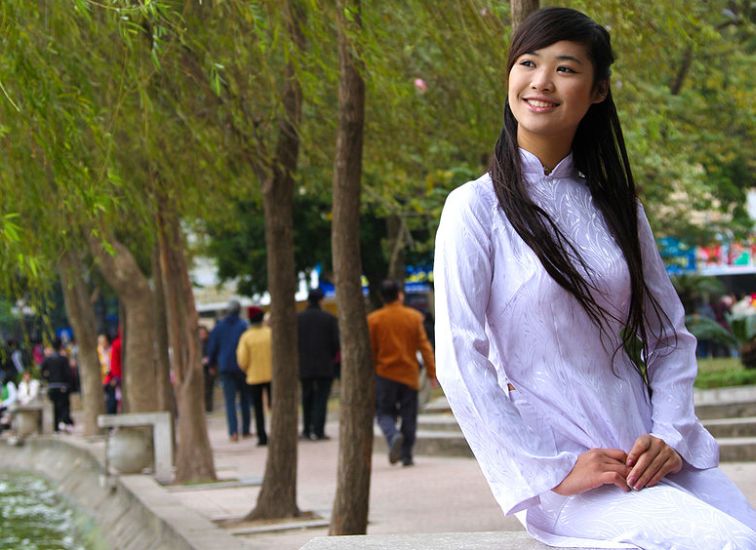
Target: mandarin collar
532,167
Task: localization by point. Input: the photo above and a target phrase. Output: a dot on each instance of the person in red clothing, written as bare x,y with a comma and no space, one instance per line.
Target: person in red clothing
396,335
112,382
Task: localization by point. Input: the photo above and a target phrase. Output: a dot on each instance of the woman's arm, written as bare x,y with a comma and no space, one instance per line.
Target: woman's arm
518,463
671,363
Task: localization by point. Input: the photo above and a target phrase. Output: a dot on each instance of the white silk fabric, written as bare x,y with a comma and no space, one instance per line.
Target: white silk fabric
501,319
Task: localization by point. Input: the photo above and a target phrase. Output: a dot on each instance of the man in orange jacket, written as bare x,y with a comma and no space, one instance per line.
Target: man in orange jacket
396,335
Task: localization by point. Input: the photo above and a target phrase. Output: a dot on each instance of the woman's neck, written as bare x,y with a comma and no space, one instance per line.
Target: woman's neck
548,150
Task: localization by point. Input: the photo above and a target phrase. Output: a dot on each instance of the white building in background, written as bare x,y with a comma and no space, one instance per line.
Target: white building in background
751,204
212,296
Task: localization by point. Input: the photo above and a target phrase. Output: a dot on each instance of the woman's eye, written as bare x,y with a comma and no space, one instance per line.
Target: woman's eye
565,70
527,63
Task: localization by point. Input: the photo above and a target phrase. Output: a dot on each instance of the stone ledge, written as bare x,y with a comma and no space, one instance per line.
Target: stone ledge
491,540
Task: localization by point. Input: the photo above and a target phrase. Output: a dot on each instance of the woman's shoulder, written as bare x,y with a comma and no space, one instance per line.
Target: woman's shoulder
476,197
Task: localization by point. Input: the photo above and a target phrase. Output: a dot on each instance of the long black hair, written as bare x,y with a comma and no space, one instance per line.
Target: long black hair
599,153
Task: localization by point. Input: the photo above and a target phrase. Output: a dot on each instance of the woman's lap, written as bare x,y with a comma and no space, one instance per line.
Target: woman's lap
683,513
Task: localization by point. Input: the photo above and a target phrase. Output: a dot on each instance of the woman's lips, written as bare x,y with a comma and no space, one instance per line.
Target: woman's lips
541,105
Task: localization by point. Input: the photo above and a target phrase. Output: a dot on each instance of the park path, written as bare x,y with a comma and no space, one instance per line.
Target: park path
436,495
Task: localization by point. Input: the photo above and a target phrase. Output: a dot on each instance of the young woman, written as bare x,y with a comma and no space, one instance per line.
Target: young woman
560,340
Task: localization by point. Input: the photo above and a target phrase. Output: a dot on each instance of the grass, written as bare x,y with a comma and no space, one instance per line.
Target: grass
723,372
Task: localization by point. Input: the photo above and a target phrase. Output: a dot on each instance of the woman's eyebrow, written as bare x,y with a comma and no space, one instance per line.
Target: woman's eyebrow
564,57
569,58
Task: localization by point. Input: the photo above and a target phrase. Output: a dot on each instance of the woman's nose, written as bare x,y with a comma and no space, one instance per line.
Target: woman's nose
542,81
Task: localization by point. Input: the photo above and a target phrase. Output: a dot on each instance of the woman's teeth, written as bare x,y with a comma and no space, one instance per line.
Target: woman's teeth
536,103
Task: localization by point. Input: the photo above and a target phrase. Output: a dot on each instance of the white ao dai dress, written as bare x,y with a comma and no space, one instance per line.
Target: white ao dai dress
500,318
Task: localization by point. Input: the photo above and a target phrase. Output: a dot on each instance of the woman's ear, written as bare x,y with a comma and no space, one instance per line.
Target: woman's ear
600,91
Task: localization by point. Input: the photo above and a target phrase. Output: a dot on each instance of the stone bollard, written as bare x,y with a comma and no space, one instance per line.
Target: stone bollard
129,450
26,423
27,420
160,449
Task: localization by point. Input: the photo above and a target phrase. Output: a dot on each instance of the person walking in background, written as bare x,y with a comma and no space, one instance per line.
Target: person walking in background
318,350
17,357
56,370
103,355
222,345
9,365
254,356
112,382
210,371
71,350
396,335
38,353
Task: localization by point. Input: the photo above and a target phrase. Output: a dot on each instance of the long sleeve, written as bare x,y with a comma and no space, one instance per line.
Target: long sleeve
672,363
242,354
518,463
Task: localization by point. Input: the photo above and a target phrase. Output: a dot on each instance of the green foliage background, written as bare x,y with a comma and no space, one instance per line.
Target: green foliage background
105,105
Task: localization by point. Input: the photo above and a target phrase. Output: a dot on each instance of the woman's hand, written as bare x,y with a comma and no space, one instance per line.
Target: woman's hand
593,469
651,459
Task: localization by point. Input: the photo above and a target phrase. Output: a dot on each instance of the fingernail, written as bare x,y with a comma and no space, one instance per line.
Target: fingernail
631,482
630,462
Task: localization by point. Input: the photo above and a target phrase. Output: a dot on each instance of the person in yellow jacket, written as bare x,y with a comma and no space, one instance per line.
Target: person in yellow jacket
253,354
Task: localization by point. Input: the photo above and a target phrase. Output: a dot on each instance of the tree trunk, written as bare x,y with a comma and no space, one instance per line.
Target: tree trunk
278,494
82,317
194,458
165,395
350,507
396,231
122,273
521,9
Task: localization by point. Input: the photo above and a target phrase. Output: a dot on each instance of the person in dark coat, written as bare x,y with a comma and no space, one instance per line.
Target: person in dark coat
318,349
222,352
56,370
210,371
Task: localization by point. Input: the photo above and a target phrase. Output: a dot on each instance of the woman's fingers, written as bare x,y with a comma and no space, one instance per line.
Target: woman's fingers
652,458
672,465
656,461
594,468
642,463
614,478
650,471
640,446
614,454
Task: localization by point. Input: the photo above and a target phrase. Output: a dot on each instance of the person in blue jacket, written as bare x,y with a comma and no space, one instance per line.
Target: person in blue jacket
222,354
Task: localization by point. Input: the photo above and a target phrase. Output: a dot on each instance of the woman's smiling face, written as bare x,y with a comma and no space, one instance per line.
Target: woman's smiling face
550,90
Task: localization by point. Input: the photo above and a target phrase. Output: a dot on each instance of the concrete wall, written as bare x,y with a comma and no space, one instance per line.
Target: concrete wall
132,512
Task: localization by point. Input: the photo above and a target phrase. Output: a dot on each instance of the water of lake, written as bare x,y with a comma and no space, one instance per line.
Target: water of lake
34,517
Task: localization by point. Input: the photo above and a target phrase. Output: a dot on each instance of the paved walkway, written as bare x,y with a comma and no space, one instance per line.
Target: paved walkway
436,495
